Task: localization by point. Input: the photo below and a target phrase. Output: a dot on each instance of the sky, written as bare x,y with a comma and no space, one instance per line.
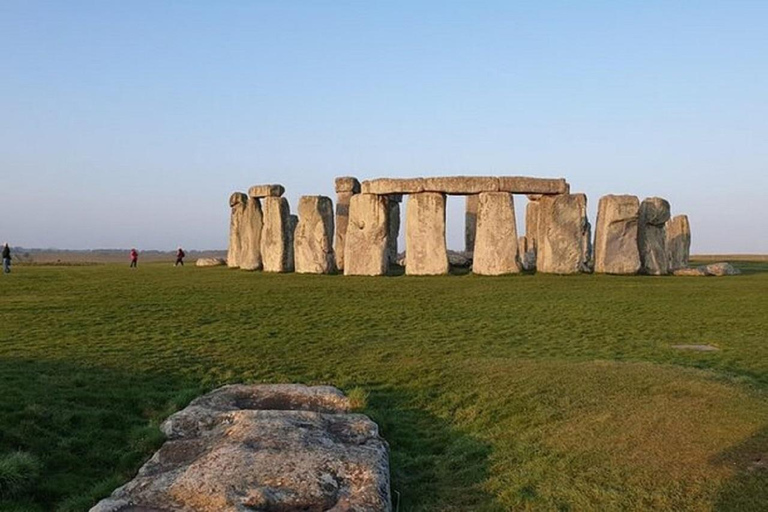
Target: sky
130,123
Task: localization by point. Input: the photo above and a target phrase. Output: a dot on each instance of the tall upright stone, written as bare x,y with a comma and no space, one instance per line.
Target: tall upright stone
346,187
425,247
276,246
652,236
562,236
293,222
526,255
496,242
470,222
528,251
251,227
238,203
367,247
313,244
393,221
616,249
678,242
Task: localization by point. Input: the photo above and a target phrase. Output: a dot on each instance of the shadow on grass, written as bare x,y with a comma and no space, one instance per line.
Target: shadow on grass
90,428
748,488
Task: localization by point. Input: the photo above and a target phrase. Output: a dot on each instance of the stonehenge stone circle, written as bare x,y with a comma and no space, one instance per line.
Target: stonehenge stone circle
470,222
238,203
346,187
250,236
651,236
263,447
276,246
562,235
616,249
466,185
266,191
678,242
496,242
367,248
425,235
313,243
393,220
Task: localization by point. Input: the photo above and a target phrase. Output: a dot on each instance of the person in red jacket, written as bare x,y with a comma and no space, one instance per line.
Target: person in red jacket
134,258
179,257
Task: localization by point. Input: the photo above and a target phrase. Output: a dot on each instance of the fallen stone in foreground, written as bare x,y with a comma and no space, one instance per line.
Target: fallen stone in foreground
713,269
210,262
263,447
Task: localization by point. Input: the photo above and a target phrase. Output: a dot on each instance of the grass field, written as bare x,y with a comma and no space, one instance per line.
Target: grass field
526,392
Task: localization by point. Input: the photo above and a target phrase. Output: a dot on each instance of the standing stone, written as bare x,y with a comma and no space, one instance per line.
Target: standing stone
346,187
470,223
616,249
652,237
293,222
367,250
238,202
276,247
425,235
562,231
526,255
313,244
531,231
393,220
496,243
678,242
251,227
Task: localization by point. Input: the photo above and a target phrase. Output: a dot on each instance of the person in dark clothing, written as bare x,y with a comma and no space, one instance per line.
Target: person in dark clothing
134,258
6,258
179,257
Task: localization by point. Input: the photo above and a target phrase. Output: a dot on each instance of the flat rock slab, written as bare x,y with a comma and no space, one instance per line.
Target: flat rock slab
266,191
466,185
714,269
696,348
210,262
263,447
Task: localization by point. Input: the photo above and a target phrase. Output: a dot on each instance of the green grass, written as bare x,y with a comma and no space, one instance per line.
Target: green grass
515,393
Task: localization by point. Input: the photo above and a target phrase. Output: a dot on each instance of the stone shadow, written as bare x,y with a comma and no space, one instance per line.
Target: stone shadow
748,489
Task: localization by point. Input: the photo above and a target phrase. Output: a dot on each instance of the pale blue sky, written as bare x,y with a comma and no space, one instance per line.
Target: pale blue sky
129,123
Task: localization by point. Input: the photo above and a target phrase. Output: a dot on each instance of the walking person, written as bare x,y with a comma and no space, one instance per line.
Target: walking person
6,258
179,257
134,258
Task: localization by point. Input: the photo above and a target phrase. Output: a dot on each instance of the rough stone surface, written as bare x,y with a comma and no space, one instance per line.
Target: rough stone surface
470,222
526,185
532,222
268,448
721,269
347,184
313,244
393,223
496,243
367,251
276,247
250,235
388,186
293,222
210,262
526,254
266,191
238,202
562,234
678,242
652,237
460,259
342,219
461,185
616,249
425,234
691,272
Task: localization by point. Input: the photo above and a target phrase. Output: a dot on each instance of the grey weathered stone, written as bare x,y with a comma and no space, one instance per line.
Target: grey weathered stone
269,448
651,236
526,185
293,222
276,247
313,244
367,250
616,249
393,222
461,185
496,243
238,202
470,222
250,235
692,272
532,224
347,184
562,233
527,255
461,259
721,269
342,219
678,242
210,262
425,234
266,191
388,186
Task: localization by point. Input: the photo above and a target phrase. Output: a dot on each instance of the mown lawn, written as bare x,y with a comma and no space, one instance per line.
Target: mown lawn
527,392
